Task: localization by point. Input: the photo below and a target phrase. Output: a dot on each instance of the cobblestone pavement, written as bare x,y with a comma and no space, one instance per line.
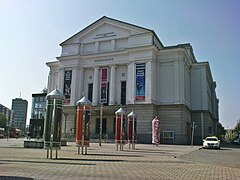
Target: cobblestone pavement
104,162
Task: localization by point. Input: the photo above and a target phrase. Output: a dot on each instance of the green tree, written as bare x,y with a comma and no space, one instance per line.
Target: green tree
3,120
220,131
237,127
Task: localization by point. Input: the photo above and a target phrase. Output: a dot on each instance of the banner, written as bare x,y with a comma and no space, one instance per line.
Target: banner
140,81
67,86
104,83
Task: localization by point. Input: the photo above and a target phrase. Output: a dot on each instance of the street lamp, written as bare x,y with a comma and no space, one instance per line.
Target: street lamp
100,132
193,127
65,125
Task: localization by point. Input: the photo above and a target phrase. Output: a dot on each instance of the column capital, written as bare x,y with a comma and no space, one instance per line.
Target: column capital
61,68
81,68
74,67
95,67
112,66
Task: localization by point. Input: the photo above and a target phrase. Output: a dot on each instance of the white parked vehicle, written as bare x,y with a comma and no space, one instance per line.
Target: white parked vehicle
211,142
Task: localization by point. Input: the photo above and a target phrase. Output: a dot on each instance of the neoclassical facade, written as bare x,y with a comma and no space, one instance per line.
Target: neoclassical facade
117,64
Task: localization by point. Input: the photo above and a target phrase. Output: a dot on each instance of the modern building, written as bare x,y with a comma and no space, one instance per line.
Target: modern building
9,114
36,127
118,64
19,106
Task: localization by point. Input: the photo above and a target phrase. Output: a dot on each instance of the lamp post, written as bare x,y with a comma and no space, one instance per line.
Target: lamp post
8,127
100,131
193,127
65,125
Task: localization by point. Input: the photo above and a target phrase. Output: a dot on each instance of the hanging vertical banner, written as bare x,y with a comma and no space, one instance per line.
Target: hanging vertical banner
67,86
140,81
104,83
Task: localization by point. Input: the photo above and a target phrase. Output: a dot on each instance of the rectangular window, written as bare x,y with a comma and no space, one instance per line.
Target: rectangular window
168,134
90,91
123,92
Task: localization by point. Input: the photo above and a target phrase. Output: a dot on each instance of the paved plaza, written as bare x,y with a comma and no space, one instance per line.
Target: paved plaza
105,162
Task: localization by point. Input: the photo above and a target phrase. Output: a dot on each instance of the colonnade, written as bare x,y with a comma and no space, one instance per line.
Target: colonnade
78,77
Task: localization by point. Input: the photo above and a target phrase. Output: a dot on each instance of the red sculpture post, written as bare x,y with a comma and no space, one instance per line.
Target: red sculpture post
132,130
120,128
82,124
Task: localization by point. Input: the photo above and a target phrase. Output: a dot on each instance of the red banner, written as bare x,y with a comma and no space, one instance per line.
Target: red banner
104,83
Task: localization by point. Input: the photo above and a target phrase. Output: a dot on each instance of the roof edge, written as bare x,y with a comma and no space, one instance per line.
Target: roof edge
103,17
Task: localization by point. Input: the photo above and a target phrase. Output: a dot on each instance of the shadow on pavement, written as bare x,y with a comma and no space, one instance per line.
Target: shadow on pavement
151,151
120,155
14,178
47,162
103,160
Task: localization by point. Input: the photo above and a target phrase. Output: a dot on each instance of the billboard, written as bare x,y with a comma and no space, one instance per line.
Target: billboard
67,86
140,81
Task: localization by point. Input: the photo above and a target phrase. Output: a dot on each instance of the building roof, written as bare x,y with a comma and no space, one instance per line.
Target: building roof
104,19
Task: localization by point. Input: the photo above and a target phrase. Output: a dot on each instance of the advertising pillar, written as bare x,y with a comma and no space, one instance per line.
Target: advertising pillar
132,130
156,131
120,128
53,122
82,124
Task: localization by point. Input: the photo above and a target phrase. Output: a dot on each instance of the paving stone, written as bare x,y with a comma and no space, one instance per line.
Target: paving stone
105,162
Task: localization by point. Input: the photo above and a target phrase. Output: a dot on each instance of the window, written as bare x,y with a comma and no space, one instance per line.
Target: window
123,92
168,134
90,91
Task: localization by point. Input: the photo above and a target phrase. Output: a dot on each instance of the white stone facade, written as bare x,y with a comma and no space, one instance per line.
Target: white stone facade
175,86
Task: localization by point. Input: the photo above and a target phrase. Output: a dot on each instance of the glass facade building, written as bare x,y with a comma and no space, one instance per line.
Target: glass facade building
38,111
19,106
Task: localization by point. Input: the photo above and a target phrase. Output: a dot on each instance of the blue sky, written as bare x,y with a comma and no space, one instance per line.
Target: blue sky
31,31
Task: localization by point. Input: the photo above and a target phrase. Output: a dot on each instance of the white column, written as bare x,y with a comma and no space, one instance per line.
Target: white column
95,86
149,83
112,86
130,83
73,86
60,80
176,81
50,82
80,81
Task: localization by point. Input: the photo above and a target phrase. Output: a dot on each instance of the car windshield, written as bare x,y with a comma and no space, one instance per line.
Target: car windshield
211,139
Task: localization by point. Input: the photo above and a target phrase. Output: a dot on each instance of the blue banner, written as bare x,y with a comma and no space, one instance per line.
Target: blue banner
140,81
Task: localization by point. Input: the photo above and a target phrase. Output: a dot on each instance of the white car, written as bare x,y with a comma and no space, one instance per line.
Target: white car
211,142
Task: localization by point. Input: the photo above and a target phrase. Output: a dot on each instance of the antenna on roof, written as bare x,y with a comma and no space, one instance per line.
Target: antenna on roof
20,94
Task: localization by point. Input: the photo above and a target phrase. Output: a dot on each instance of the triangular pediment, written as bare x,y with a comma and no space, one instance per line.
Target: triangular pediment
104,29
